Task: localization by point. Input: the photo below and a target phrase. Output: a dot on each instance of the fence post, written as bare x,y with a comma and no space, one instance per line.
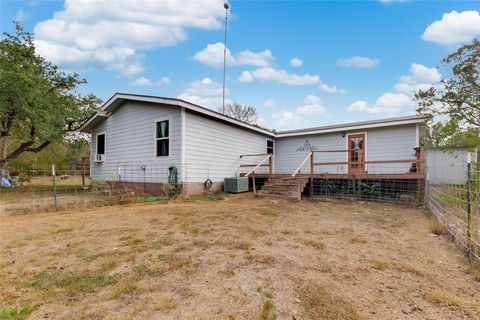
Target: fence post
298,182
469,190
54,187
312,168
270,165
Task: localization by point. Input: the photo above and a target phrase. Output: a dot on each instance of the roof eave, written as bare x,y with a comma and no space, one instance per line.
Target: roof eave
110,106
86,126
353,126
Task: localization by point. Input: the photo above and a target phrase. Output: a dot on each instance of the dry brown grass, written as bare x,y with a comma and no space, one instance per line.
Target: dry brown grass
437,229
379,265
409,267
235,257
322,303
444,297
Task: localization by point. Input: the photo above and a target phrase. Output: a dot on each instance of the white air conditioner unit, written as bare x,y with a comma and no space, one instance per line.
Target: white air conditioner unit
99,157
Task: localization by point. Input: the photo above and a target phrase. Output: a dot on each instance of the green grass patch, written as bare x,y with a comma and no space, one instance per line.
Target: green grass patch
268,310
140,269
17,314
71,284
153,199
131,241
210,197
129,289
269,213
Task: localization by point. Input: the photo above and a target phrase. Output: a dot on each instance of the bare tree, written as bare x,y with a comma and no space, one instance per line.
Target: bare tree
242,112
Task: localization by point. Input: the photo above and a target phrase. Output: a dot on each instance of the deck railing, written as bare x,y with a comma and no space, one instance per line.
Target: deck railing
417,165
268,156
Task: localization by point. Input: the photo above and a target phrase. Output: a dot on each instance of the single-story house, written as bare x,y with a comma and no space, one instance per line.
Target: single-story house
143,139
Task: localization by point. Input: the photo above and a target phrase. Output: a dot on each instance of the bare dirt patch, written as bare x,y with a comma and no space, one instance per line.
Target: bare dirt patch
236,258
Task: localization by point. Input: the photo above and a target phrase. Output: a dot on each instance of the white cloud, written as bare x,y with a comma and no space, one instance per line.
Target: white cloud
454,28
145,82
296,62
21,15
269,103
286,119
357,62
164,81
205,92
282,76
212,56
313,106
245,76
311,111
391,103
109,34
141,82
388,103
257,59
331,89
420,77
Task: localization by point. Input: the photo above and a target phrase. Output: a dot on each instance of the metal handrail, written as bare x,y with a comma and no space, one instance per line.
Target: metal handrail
301,165
258,165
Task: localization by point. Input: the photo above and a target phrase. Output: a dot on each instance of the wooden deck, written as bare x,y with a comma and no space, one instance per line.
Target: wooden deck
366,176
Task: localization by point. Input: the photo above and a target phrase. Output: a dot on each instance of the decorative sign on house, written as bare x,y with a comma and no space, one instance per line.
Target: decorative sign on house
307,146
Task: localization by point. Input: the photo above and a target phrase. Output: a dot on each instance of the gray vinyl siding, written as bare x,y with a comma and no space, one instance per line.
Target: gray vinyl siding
389,143
213,148
130,144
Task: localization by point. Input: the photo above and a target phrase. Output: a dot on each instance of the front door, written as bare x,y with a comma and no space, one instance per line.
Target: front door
356,153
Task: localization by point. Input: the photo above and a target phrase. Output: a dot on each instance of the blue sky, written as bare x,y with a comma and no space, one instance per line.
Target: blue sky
352,61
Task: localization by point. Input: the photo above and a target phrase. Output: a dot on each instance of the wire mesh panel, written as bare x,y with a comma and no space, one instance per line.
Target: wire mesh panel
453,197
69,186
372,188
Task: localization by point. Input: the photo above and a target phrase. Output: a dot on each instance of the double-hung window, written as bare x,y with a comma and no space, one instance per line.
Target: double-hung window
269,146
162,138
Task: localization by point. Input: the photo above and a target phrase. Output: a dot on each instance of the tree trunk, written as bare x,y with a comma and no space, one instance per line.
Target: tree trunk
3,158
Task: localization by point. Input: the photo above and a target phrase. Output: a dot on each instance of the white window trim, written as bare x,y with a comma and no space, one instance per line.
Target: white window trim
366,148
266,144
105,146
169,118
273,153
417,135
